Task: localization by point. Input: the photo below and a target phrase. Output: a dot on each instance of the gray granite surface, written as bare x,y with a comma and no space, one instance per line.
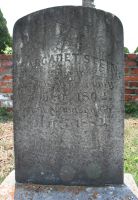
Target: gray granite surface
68,97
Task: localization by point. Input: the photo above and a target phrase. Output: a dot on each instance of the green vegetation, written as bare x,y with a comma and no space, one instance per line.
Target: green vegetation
5,38
131,109
136,50
131,139
126,50
5,115
8,50
131,147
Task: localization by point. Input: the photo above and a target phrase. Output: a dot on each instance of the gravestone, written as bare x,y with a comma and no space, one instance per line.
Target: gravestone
68,97
88,3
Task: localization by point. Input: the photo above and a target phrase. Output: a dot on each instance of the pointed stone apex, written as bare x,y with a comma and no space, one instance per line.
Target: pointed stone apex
88,3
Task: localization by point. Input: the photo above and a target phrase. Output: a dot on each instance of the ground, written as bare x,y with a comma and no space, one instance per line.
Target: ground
130,155
6,149
131,147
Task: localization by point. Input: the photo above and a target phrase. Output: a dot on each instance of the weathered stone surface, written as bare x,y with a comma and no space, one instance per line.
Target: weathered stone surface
88,3
11,191
68,97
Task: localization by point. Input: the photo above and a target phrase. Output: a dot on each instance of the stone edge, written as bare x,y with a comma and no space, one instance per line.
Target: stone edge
8,185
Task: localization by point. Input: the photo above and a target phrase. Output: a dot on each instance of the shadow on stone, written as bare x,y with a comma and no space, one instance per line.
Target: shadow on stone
15,191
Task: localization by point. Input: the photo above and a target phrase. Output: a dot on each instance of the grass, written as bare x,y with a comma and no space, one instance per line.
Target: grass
6,149
6,115
6,144
131,139
131,110
131,147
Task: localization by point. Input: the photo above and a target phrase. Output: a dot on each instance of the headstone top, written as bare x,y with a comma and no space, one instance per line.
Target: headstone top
88,3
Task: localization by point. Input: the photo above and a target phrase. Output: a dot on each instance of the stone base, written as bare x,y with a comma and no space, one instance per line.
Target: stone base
9,190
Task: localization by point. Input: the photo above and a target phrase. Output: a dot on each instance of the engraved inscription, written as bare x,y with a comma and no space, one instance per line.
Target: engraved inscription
101,67
68,97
